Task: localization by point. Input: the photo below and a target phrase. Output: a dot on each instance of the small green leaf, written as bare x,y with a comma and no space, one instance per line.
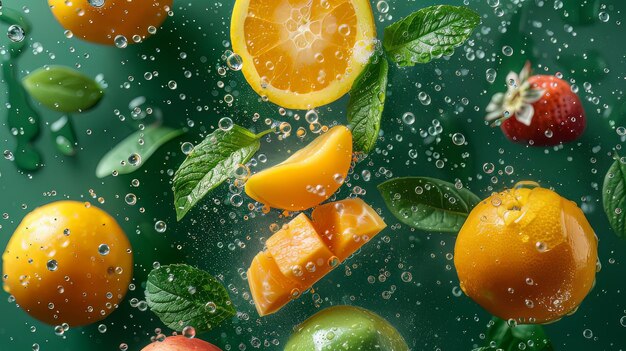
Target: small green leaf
429,33
501,336
63,89
143,143
181,295
367,101
428,204
210,163
614,197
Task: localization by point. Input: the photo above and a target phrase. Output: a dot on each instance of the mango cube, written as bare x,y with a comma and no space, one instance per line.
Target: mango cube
270,289
300,252
346,225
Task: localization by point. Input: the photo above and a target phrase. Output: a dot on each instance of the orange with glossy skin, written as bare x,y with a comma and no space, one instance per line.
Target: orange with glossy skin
527,254
181,343
57,270
307,178
106,19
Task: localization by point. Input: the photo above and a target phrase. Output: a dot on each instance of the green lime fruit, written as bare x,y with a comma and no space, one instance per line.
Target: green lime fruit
346,328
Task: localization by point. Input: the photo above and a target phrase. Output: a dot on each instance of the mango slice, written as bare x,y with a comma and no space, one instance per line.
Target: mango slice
297,256
300,252
346,225
307,178
270,289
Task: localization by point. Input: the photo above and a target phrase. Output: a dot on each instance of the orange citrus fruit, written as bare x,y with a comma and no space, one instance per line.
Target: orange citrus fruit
110,22
527,254
302,54
68,262
307,178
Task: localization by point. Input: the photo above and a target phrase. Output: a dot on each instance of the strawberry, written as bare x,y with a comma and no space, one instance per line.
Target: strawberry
537,110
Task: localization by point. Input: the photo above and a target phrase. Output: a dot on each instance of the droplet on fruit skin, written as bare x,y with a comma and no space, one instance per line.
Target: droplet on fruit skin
52,265
189,332
97,3
103,249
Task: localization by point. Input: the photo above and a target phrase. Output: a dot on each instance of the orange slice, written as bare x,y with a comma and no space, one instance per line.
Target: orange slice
301,53
346,225
308,177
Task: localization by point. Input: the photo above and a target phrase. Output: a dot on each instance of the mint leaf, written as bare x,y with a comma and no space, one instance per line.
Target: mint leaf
210,163
428,204
63,89
614,197
501,336
143,143
367,101
429,33
181,295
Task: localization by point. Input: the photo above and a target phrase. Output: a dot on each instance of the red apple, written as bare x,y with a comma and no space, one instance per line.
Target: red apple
181,343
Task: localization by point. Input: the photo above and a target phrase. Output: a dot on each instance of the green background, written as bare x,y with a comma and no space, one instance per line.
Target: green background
214,236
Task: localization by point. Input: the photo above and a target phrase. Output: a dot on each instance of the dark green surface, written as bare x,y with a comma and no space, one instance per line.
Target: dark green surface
426,310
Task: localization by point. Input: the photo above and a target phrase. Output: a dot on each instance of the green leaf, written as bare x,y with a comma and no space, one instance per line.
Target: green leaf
367,101
63,89
181,295
429,33
614,197
428,204
210,163
151,138
501,336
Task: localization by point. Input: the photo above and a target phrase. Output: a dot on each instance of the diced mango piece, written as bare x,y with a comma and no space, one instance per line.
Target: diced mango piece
308,177
270,289
346,225
297,256
300,252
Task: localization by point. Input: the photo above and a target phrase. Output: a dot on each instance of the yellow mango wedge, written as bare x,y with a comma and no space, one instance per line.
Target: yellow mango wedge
307,178
346,225
299,255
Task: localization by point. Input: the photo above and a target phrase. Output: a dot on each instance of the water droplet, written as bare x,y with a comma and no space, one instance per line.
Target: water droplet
120,41
587,333
189,332
102,328
603,16
130,199
234,62
16,33
186,148
96,3
458,139
52,265
225,124
490,75
103,249
134,159
507,50
160,226
408,118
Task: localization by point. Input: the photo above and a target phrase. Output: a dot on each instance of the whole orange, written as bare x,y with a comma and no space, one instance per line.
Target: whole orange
527,254
102,21
68,262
